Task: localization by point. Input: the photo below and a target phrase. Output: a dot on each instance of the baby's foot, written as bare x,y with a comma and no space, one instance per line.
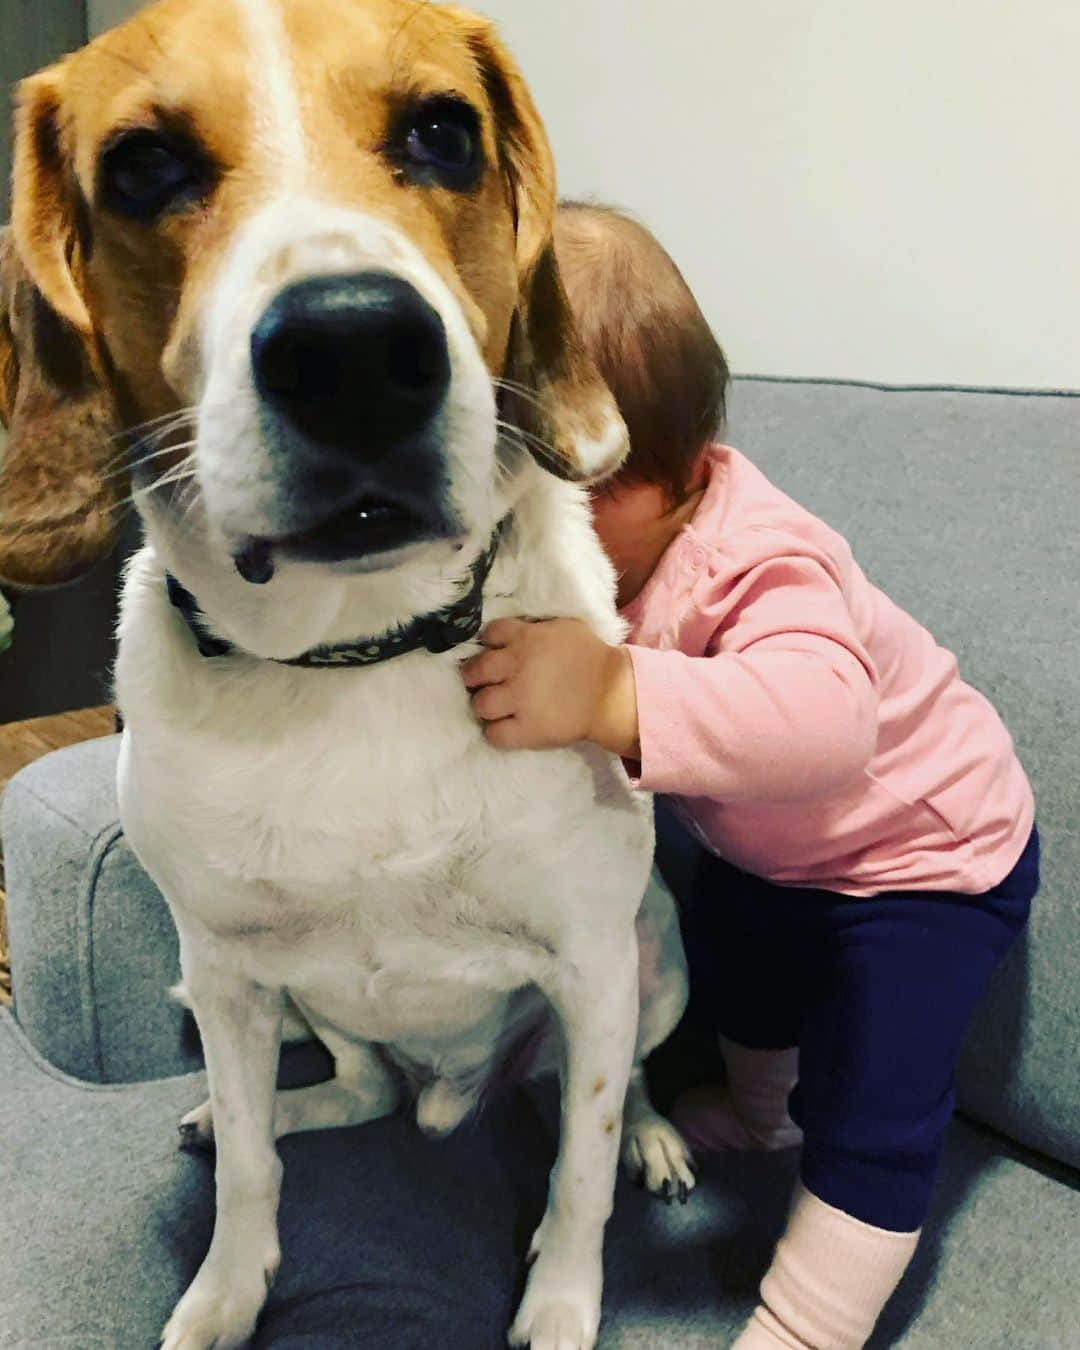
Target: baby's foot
751,1111
709,1121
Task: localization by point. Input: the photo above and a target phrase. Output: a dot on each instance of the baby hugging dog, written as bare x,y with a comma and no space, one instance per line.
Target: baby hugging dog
304,253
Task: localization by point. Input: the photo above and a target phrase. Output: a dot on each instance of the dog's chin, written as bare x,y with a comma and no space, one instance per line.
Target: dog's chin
387,561
361,533
372,534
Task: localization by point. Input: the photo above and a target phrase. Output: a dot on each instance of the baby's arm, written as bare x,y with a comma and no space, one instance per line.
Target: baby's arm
783,707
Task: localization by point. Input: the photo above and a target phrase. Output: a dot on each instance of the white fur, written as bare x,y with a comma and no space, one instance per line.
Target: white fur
600,457
278,126
345,843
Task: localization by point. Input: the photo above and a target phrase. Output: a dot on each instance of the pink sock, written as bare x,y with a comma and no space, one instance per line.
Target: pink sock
749,1111
830,1277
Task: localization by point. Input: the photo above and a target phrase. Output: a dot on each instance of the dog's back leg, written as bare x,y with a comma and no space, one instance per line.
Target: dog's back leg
653,1151
362,1089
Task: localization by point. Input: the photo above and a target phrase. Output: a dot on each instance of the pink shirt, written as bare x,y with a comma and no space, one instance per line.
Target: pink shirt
810,731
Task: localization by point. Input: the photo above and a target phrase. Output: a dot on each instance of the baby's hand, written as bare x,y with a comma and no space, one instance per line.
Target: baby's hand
549,684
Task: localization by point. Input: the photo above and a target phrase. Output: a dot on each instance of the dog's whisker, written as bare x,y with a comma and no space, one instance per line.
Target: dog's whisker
148,433
134,497
512,429
176,473
504,382
155,438
187,514
511,436
140,462
506,471
185,469
189,411
126,451
181,447
184,416
519,391
169,480
531,442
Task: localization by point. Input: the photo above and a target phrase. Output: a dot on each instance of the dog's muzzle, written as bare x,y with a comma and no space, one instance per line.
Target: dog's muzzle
352,371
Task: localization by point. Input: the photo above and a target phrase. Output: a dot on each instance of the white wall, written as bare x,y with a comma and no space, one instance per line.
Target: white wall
858,188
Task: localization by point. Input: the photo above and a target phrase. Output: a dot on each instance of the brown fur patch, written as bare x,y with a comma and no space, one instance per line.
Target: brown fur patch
58,509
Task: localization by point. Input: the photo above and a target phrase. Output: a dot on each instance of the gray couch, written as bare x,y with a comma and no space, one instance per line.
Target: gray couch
965,507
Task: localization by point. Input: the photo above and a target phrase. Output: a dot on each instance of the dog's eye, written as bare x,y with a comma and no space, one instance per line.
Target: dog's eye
440,143
145,173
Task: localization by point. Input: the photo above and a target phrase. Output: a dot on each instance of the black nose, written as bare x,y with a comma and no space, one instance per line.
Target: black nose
358,362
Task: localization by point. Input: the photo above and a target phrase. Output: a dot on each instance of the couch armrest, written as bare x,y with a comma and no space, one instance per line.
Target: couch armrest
93,949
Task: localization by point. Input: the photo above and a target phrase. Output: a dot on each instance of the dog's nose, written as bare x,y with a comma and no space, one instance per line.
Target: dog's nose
357,362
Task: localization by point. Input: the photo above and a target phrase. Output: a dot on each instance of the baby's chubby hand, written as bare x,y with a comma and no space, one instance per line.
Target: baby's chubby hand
540,685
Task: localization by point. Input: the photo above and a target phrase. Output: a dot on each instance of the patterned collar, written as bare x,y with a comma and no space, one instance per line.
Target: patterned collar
440,631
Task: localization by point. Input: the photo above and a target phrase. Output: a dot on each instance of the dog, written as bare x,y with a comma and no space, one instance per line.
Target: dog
304,249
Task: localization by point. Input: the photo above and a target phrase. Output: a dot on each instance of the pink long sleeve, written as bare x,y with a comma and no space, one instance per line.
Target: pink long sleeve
784,708
805,727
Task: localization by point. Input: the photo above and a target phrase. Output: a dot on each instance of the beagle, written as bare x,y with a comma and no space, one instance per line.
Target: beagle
302,251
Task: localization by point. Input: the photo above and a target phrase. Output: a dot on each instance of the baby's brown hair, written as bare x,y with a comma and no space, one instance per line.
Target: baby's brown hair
643,328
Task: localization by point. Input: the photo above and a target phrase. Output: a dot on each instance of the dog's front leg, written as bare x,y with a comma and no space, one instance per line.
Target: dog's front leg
596,1001
240,1024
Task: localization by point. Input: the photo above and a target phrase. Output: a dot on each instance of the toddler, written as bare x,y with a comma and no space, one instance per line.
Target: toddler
871,849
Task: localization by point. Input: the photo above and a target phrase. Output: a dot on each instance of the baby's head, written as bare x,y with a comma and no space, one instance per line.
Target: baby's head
644,330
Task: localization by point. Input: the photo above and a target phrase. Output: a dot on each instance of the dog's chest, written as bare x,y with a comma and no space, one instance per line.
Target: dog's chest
350,888
357,780
363,806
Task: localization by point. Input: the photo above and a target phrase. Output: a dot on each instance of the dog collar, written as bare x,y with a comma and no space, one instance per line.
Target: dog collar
440,631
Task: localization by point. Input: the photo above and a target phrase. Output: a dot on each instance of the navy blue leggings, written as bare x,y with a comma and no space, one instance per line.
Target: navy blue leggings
876,993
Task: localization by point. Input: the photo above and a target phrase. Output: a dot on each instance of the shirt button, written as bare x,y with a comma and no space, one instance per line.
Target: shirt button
697,558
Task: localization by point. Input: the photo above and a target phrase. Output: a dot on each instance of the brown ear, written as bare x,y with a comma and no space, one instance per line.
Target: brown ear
58,507
567,414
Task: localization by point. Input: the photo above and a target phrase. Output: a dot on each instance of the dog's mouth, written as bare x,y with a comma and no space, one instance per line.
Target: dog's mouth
366,532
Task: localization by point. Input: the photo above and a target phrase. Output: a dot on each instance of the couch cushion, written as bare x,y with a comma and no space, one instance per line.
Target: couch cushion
392,1241
964,508
93,947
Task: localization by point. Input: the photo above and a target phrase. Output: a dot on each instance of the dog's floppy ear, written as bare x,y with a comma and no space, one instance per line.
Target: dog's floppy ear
567,414
58,506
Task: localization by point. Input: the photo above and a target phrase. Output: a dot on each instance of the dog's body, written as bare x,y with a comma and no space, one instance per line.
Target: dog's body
372,855
348,839
405,883
317,301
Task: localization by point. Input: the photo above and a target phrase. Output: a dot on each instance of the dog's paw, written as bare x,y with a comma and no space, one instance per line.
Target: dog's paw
441,1107
556,1326
219,1311
656,1156
196,1129
561,1307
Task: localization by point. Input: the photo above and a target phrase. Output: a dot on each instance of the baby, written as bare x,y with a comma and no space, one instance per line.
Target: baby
871,848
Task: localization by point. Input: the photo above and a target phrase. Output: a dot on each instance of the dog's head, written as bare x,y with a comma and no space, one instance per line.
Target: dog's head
317,231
